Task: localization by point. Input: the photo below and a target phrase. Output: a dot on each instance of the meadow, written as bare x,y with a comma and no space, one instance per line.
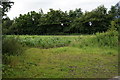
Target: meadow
80,56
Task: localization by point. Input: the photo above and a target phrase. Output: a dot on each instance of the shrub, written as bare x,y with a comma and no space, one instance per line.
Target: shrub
105,39
11,46
109,39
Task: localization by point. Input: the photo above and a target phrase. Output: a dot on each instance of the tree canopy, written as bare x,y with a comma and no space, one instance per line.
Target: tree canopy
60,22
6,5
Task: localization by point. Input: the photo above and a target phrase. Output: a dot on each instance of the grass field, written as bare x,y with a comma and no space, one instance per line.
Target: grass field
65,57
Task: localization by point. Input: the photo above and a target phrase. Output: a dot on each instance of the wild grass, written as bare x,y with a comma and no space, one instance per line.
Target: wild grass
11,46
84,56
63,62
103,40
45,41
106,39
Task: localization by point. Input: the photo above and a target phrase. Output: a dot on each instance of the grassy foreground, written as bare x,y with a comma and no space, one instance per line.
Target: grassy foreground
64,62
77,57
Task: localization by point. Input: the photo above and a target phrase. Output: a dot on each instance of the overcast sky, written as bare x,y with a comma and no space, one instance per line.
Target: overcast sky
24,6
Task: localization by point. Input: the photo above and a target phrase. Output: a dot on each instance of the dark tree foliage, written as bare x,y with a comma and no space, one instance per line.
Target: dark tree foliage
57,22
6,22
6,5
114,16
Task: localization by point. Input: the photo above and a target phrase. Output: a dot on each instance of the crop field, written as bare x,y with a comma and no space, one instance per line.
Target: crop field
82,56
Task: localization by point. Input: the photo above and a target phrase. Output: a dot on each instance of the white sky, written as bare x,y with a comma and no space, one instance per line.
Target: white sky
24,6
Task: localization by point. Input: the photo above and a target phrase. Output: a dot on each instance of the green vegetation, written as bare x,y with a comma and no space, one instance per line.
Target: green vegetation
64,62
57,22
85,56
11,46
61,44
107,39
6,5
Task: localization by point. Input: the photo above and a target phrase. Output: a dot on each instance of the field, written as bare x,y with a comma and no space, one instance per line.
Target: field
82,56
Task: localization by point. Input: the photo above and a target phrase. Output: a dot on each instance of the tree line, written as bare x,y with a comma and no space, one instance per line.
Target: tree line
58,22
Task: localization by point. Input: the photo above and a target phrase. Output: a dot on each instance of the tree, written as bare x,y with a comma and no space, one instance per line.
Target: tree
6,6
117,6
74,20
59,22
53,22
91,22
98,18
6,25
6,22
27,23
112,13
114,16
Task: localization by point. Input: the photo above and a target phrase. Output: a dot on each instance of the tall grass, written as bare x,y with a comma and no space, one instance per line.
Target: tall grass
106,39
45,42
10,47
61,62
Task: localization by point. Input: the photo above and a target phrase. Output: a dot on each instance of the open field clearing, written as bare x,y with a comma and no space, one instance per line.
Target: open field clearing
64,62
88,56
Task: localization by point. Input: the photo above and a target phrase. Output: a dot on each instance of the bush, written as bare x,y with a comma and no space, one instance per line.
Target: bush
109,39
11,46
105,39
